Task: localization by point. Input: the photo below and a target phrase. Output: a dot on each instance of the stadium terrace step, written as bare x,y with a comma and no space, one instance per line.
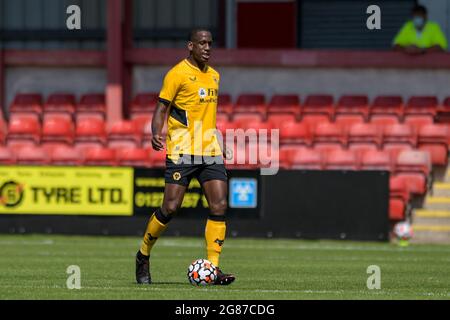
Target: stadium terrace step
432,221
437,202
421,236
421,213
441,186
431,225
440,191
431,228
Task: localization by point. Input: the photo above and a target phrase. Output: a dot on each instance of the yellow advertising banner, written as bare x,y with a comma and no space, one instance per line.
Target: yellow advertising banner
102,191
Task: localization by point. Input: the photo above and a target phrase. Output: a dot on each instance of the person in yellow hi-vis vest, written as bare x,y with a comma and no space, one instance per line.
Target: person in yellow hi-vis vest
419,35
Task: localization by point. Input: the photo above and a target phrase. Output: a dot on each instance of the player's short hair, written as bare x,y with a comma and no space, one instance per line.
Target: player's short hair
419,9
194,32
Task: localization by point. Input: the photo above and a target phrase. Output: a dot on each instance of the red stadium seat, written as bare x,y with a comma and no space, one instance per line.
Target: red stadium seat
32,155
376,160
433,139
414,167
329,136
250,103
7,156
278,120
66,156
284,104
143,103
364,136
352,109
27,103
257,125
157,158
341,160
286,152
225,105
62,104
90,132
386,110
99,157
222,126
346,121
141,120
23,130
420,110
133,157
295,133
443,111
317,108
124,134
399,136
3,129
307,159
92,105
247,117
421,105
399,197
57,129
418,121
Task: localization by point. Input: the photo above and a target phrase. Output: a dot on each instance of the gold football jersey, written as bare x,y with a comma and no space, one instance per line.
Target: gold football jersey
191,95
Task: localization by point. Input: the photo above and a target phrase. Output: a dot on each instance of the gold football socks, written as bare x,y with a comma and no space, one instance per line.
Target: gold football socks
156,226
215,236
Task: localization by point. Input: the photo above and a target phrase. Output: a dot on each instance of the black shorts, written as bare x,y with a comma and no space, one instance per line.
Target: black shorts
203,168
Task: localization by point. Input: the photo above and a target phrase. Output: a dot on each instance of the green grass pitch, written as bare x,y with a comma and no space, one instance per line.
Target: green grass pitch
34,267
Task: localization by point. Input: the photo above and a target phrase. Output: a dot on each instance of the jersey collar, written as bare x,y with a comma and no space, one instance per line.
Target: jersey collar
195,67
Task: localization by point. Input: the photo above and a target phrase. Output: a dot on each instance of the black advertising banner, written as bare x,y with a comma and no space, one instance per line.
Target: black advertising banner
328,204
244,195
300,204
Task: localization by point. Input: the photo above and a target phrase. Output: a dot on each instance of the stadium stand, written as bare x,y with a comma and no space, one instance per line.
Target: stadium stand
353,134
225,106
352,109
90,132
91,105
124,134
386,110
61,104
135,157
284,104
66,156
317,108
99,157
250,103
28,104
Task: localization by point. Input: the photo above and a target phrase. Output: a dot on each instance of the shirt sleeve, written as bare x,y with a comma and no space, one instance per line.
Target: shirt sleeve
171,85
401,38
439,38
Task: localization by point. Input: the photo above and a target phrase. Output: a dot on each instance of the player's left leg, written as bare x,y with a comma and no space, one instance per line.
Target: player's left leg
216,194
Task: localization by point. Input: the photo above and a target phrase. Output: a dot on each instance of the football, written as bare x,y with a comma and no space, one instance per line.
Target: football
403,231
201,272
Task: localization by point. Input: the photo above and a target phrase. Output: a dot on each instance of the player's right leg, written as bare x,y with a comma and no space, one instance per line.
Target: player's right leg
173,197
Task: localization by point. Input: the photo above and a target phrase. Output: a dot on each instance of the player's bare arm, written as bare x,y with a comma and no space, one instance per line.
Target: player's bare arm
157,126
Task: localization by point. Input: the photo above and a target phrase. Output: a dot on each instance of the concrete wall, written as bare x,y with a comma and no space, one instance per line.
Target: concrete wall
305,81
